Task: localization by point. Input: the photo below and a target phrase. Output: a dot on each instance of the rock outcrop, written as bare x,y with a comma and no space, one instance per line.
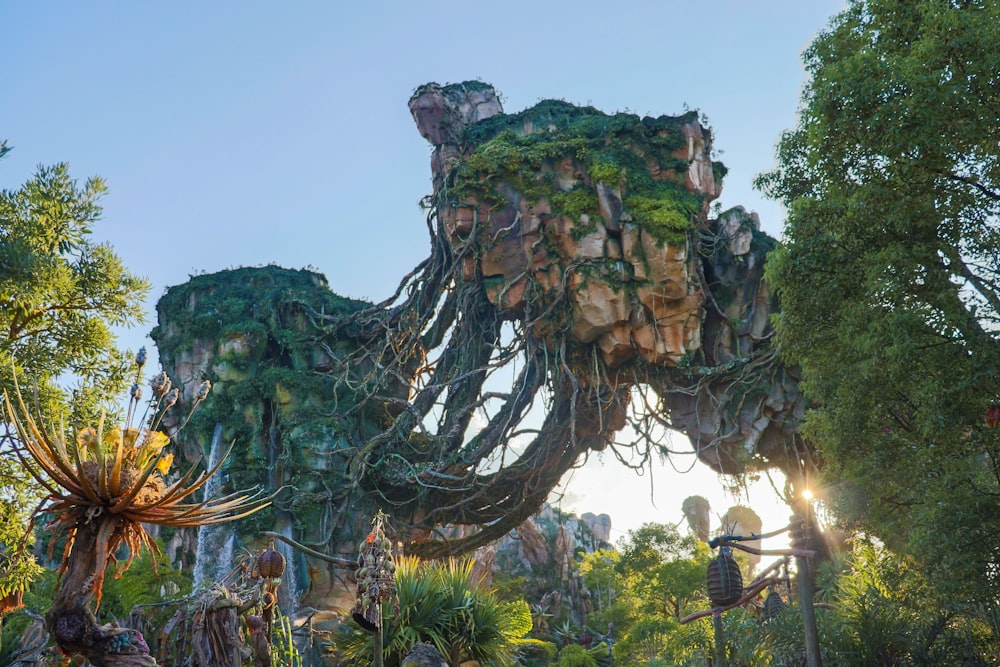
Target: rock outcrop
544,552
573,255
593,230
572,220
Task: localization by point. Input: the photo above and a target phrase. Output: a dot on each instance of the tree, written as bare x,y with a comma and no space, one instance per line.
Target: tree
60,295
889,275
671,568
884,612
659,577
104,486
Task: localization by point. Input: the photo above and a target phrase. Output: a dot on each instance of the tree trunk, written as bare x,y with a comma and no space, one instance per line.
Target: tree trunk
72,622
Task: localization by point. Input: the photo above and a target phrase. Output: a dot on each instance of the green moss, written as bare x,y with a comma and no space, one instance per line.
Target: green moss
667,219
575,203
281,366
719,171
518,155
606,171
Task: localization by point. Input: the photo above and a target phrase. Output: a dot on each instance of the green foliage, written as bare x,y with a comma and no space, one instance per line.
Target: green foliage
600,575
667,219
17,564
664,569
284,652
440,603
655,577
269,325
884,612
890,277
61,293
142,584
60,296
575,203
519,152
574,655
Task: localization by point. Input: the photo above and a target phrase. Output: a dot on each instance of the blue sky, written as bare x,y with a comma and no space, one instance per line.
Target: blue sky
246,133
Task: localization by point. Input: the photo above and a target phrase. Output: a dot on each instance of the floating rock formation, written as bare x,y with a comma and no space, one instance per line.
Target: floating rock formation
573,255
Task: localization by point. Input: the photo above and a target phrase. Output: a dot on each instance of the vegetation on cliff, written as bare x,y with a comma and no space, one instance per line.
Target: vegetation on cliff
637,156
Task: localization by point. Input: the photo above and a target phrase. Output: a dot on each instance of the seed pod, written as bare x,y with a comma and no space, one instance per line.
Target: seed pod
271,564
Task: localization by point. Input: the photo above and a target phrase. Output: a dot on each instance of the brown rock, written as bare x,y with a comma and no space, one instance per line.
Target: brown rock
609,200
442,112
508,257
697,510
700,177
616,345
458,222
600,525
561,229
532,547
468,267
567,174
591,246
737,227
508,296
596,307
613,249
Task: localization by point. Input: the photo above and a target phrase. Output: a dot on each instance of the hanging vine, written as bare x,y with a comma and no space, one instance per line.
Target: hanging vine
575,285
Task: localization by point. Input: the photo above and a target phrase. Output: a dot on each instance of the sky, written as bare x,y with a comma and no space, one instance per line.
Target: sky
249,133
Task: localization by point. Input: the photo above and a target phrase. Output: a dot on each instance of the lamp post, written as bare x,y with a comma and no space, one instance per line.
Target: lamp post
801,534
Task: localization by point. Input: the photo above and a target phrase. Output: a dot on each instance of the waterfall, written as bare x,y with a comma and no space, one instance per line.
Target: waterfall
214,553
289,593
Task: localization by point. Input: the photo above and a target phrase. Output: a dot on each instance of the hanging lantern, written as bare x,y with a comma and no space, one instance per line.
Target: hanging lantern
725,583
271,564
773,605
993,415
375,576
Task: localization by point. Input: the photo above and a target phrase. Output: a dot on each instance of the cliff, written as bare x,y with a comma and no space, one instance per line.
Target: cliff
576,281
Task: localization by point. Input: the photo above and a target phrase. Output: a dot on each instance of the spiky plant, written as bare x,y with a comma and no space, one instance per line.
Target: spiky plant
103,484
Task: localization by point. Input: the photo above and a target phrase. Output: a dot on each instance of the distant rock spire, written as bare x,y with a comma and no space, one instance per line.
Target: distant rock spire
697,510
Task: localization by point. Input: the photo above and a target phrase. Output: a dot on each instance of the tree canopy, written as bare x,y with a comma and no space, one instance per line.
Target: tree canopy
61,294
890,275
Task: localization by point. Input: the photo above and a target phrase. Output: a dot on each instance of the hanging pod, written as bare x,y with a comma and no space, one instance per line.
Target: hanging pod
773,605
725,583
271,564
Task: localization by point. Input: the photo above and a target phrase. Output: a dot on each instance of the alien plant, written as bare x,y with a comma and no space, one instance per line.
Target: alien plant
103,485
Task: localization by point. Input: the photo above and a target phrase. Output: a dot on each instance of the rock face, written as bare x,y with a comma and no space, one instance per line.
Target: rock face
252,333
543,551
599,524
593,231
740,520
574,220
572,250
